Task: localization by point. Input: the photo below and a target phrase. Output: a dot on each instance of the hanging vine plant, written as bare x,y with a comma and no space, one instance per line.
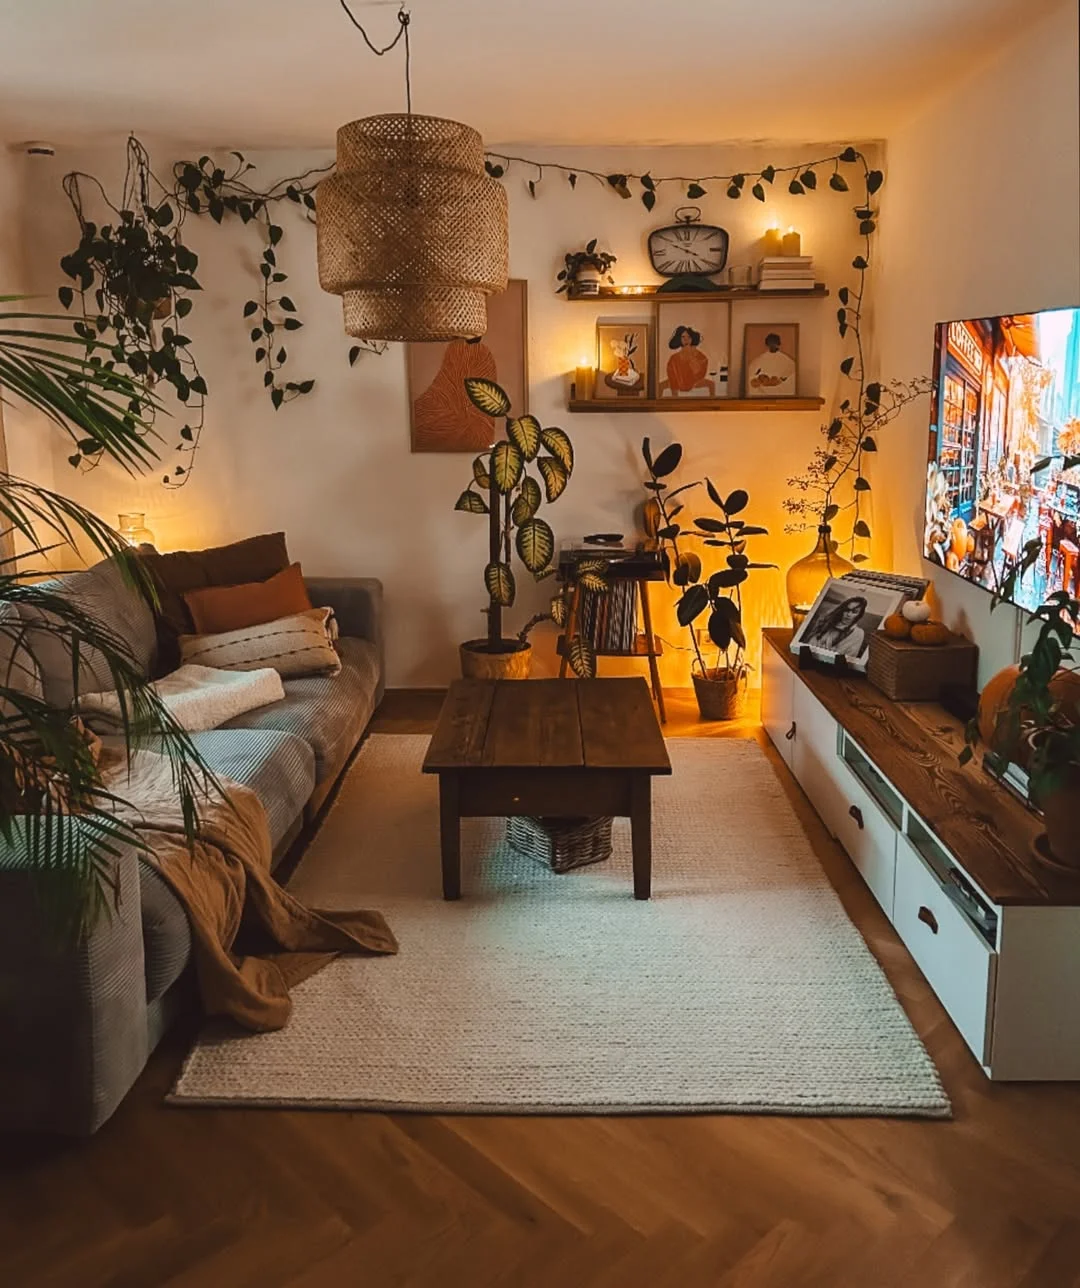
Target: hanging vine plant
821,492
134,280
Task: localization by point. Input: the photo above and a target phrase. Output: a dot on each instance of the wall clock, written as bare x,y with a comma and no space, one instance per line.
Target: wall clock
687,251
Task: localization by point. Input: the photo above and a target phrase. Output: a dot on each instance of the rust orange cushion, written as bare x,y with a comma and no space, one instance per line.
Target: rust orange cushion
216,609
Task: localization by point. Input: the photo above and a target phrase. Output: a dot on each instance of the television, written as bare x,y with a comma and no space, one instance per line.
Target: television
1004,460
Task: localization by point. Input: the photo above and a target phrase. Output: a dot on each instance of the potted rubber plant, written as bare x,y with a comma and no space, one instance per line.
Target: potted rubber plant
585,270
1037,724
505,489
720,687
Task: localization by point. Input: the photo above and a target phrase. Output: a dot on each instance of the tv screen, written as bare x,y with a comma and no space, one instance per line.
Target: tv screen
1005,421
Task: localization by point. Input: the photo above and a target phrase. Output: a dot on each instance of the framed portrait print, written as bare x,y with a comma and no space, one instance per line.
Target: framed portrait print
771,360
442,417
692,346
842,619
623,360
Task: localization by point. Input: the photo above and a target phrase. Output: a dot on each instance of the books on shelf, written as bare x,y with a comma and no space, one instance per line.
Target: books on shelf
786,273
608,618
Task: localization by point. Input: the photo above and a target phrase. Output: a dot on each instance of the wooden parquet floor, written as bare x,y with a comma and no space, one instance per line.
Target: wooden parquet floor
272,1199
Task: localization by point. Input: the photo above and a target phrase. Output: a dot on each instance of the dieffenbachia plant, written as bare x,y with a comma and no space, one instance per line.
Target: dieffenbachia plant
514,496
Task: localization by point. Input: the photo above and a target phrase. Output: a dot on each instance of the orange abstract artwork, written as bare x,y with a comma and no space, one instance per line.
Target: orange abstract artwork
443,418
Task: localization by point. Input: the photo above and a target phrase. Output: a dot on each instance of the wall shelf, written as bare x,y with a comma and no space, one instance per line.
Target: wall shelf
652,296
605,405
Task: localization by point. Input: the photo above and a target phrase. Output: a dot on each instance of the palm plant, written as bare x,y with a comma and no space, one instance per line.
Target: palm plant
50,779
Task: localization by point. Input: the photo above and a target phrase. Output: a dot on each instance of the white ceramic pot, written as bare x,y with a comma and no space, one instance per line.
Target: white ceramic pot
587,281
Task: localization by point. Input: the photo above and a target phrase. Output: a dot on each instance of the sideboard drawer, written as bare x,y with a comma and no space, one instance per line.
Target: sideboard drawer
959,965
867,834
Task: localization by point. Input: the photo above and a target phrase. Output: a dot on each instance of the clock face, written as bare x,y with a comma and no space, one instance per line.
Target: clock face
688,248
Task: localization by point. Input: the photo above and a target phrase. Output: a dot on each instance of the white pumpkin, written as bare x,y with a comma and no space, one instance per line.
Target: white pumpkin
916,610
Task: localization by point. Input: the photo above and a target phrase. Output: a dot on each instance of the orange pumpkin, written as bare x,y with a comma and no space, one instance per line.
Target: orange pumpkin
1064,688
930,633
896,626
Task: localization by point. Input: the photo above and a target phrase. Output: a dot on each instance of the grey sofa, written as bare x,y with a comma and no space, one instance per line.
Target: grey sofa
77,1025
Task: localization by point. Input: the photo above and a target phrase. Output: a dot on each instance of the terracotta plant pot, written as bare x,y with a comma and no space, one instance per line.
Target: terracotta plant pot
512,663
721,695
1061,814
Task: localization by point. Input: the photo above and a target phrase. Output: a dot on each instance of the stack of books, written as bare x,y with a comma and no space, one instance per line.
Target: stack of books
786,273
608,619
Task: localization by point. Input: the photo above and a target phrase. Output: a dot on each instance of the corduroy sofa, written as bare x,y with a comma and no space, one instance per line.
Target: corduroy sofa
77,1025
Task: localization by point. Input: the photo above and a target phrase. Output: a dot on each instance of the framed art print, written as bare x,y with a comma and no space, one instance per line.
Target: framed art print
623,360
842,619
442,417
771,360
692,346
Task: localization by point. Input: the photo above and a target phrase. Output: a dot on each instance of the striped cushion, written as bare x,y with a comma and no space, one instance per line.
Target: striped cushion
296,645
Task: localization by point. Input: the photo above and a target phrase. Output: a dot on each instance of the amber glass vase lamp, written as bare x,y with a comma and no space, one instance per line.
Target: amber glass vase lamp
806,577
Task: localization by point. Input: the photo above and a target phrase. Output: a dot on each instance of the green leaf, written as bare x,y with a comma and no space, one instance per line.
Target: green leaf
849,154
861,528
809,179
869,444
582,659
691,604
535,543
277,397
648,200
710,525
292,324
860,262
287,304
720,626
758,191
487,396
471,503
66,296
830,513
559,445
694,191
846,365
736,501
843,295
524,433
795,188
837,182
668,460
354,353
874,180
274,233
734,192
866,227
499,580
527,501
769,173
249,308
506,466
862,485
183,307
480,471
555,476
647,181
687,569
305,386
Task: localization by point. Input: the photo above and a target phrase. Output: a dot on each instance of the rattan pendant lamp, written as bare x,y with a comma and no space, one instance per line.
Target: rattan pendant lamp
412,234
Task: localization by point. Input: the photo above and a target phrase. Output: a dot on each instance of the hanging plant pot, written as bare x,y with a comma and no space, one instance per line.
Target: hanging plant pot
510,662
721,693
587,281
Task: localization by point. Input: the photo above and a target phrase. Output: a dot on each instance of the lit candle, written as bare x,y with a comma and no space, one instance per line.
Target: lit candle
583,380
773,241
791,244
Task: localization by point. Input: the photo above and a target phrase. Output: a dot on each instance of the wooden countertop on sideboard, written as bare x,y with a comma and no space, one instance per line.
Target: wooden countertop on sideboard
915,745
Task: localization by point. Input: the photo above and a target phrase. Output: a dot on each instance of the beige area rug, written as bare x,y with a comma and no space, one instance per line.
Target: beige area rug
740,987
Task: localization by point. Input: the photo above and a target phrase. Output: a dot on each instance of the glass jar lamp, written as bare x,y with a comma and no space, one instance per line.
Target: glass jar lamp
132,527
807,575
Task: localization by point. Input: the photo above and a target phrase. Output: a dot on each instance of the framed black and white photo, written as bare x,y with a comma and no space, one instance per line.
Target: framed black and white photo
842,619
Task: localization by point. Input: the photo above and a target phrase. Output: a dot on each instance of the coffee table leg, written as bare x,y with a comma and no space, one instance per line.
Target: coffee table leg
641,833
450,836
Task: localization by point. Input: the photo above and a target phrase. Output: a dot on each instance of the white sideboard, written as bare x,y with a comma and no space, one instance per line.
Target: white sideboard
947,854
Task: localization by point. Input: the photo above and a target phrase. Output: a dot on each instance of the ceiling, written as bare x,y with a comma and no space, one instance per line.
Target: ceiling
266,73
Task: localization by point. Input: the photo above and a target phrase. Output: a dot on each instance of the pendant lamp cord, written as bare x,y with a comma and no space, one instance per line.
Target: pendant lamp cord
403,33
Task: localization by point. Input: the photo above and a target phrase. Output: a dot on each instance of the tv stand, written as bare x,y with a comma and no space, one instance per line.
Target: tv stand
949,855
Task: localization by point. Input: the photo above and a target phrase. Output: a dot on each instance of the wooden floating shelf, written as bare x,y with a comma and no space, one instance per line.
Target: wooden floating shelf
640,649
652,296
694,404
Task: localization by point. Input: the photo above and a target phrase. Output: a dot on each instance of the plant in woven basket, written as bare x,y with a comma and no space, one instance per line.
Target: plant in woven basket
514,496
720,686
1038,723
585,269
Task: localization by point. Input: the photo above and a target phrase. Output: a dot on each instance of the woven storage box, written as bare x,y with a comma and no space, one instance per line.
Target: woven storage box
909,672
561,843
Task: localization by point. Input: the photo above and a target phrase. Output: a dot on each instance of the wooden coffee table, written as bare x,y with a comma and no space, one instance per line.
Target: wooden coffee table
549,748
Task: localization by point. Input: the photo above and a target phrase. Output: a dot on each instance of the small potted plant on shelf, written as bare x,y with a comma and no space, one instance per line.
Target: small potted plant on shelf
585,270
513,499
720,688
1036,720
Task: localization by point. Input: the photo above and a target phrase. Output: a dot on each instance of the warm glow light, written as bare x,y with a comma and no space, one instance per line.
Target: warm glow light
132,527
773,240
792,243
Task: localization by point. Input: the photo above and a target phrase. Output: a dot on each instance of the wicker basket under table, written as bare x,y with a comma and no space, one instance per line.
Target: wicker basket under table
561,843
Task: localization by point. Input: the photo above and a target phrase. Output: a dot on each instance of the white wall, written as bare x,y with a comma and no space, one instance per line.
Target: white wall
981,216
335,470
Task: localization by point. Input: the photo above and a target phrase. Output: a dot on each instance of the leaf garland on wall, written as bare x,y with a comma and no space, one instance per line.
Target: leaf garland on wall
850,434
135,280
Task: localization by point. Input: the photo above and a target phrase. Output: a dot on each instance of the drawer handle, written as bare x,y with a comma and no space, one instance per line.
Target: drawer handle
791,732
928,918
856,814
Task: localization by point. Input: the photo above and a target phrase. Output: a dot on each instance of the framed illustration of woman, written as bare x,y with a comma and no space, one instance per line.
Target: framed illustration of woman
692,351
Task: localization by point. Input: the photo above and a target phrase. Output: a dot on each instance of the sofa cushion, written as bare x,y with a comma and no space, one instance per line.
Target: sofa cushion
179,571
302,644
216,609
101,592
280,769
329,712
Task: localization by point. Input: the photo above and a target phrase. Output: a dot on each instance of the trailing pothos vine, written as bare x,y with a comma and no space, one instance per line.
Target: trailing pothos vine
135,279
835,482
